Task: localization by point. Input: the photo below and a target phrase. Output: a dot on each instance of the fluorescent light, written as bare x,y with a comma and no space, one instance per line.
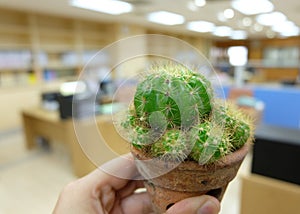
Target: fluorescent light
294,32
225,15
70,88
201,26
113,7
238,55
270,19
287,28
238,34
196,4
191,6
222,31
165,18
252,7
200,3
228,13
221,17
283,26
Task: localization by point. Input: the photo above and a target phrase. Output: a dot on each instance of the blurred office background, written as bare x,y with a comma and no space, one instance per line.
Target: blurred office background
50,48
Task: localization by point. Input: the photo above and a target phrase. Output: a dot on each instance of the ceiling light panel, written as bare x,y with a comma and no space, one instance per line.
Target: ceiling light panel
196,4
191,6
165,18
252,7
270,19
201,26
200,3
222,31
225,15
294,32
112,7
287,28
228,13
238,34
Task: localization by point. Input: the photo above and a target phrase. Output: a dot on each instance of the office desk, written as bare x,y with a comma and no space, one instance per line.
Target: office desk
276,153
274,184
93,151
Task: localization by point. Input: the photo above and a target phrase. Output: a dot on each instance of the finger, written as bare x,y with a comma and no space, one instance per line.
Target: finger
121,167
115,173
130,188
119,170
201,205
137,203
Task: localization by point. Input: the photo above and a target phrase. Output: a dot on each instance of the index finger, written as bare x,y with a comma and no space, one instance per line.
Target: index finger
121,167
116,172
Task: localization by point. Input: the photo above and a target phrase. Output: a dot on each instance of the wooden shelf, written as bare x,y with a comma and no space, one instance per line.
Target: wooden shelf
13,28
43,31
12,40
14,70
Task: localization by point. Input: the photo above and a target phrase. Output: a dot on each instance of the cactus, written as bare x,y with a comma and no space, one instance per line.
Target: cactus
169,90
169,146
205,141
236,124
175,116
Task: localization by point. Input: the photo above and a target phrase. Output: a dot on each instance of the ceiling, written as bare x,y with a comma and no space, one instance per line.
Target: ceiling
291,8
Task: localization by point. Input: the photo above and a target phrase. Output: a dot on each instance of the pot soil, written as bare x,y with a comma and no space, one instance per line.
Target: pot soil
186,179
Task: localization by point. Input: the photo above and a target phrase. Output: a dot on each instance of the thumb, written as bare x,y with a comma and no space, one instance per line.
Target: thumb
197,205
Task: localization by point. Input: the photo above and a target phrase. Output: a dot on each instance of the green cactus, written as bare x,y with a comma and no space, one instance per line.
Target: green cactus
170,146
235,123
174,91
175,116
209,147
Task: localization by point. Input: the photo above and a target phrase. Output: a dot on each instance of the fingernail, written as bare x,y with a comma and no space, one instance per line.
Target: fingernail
208,207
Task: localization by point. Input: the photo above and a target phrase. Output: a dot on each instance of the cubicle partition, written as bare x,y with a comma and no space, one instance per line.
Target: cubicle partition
281,104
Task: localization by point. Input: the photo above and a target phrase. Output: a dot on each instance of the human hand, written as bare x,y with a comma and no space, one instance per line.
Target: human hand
102,193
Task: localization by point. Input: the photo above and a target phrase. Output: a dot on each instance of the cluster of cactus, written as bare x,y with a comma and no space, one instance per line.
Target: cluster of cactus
174,115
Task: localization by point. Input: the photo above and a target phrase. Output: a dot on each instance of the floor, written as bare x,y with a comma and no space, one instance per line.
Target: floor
30,181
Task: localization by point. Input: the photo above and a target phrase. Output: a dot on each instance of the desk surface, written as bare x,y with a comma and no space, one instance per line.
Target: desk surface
92,141
278,134
53,116
39,112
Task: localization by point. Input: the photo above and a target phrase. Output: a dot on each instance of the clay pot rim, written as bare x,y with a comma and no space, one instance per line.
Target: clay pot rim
226,161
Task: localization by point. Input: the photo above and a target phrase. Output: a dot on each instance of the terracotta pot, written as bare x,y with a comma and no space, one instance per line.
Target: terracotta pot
169,182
